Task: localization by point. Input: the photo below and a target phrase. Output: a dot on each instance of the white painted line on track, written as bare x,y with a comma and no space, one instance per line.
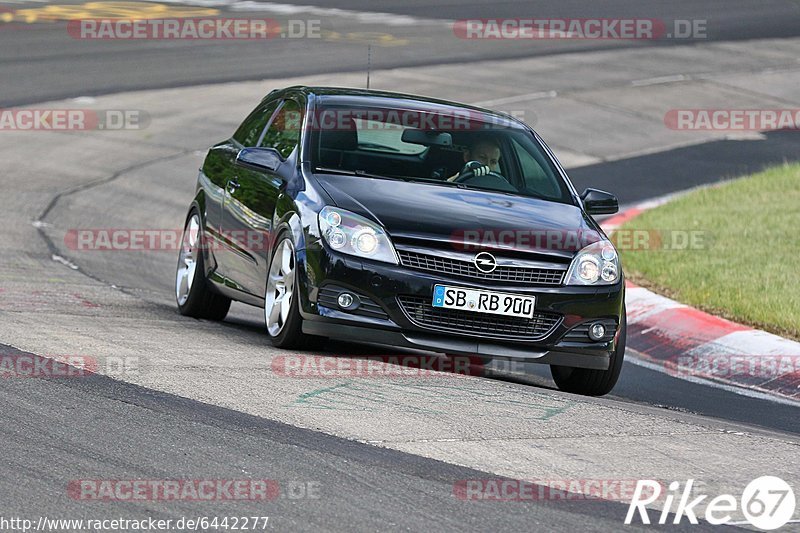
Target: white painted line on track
660,80
65,262
518,98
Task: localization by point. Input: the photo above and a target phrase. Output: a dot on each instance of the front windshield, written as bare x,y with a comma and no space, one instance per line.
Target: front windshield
457,147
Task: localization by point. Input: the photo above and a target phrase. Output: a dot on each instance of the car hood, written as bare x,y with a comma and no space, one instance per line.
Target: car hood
462,218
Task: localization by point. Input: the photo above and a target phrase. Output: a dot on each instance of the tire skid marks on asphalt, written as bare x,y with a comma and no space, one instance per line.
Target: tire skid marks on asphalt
422,398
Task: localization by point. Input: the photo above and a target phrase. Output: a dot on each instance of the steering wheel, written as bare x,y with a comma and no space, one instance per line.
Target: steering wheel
468,172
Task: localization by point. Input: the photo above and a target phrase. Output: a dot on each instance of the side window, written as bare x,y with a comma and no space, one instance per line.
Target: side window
250,130
536,178
284,132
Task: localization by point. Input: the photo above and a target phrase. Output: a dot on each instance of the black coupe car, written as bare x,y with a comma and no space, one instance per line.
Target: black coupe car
396,219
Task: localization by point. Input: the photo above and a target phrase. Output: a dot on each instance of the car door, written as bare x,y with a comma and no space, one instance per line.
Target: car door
250,204
218,173
221,170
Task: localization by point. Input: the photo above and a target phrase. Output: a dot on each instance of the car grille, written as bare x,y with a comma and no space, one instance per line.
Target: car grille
420,311
465,268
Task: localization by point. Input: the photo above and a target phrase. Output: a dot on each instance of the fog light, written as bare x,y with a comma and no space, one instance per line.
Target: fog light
596,331
347,301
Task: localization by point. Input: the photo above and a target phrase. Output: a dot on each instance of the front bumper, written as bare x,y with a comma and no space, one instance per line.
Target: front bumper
382,284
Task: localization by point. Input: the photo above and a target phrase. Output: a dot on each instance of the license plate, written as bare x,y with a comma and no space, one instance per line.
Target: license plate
478,301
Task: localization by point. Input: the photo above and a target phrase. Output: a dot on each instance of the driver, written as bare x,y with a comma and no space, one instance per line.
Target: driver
485,151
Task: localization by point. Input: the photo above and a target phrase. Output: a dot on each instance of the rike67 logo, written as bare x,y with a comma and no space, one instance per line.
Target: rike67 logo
767,503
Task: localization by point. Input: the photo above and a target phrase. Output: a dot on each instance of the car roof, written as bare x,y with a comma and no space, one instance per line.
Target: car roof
351,94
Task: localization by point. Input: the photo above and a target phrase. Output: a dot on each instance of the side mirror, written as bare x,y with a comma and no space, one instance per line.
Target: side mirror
597,202
259,159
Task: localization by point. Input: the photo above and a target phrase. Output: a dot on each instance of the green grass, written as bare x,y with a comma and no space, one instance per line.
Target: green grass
748,267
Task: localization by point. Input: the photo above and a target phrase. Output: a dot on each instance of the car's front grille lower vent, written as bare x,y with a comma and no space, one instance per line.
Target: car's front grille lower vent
580,333
467,269
420,311
329,295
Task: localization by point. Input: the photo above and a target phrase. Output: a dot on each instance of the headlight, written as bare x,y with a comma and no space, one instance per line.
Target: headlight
353,234
596,264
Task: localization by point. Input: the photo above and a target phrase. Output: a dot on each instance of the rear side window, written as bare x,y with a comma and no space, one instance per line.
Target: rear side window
284,132
250,131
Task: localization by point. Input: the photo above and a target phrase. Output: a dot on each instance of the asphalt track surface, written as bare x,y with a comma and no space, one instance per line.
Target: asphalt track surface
84,420
355,487
60,430
41,62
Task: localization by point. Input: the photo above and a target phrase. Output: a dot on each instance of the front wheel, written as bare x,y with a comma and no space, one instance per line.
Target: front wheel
593,382
281,301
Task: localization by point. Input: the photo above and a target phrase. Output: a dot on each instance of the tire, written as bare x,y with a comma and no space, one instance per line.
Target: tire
593,382
193,293
285,325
